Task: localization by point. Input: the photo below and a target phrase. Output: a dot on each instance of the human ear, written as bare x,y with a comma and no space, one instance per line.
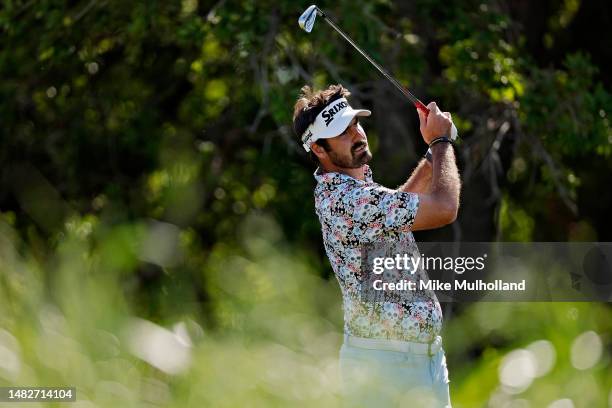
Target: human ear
318,150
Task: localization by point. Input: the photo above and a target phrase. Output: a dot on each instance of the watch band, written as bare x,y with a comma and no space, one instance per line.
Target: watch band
428,155
440,140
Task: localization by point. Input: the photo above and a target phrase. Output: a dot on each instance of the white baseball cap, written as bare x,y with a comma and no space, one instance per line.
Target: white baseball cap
331,122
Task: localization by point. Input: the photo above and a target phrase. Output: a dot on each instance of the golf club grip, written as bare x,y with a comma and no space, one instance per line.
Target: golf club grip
420,106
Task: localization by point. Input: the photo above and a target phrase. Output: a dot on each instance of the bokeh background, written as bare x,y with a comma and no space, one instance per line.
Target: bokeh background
158,242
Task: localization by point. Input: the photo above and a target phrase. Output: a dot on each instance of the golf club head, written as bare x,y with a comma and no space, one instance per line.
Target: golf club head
307,19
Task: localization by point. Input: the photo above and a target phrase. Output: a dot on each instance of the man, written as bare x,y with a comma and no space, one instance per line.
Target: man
392,352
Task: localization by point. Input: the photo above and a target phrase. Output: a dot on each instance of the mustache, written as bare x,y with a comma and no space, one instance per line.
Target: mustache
358,145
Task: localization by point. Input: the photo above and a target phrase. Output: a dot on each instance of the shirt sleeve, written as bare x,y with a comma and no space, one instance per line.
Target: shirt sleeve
380,212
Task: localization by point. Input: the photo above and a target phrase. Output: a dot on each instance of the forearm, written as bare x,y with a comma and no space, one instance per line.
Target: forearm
445,183
420,179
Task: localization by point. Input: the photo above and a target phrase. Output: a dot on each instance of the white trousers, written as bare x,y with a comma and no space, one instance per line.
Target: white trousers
393,374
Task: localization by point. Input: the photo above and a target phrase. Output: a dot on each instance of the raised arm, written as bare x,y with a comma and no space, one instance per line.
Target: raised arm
439,205
420,179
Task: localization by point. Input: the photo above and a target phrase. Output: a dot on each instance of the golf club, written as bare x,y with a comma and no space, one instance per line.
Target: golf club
306,22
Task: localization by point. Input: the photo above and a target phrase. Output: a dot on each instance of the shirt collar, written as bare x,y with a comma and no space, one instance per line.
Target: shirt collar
336,178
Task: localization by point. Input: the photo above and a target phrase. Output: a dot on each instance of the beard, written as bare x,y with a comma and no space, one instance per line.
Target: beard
352,161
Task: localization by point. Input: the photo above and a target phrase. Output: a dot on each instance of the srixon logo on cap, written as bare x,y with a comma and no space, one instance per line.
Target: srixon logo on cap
328,115
307,136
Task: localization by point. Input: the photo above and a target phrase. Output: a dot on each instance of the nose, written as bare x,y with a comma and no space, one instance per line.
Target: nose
358,134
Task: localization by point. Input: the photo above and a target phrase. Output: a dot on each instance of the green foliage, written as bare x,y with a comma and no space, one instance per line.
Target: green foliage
150,183
568,109
514,223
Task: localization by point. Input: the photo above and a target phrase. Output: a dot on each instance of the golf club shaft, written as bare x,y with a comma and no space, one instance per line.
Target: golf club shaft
417,103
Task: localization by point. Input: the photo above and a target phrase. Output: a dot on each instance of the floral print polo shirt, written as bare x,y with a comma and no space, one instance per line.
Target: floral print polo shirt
352,213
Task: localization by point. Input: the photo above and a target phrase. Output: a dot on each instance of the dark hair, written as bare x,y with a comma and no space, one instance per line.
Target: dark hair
309,105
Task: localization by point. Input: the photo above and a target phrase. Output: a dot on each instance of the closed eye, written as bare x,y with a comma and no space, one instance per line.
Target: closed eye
353,123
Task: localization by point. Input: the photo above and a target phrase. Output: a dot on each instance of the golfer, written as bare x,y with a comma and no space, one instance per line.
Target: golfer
392,352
